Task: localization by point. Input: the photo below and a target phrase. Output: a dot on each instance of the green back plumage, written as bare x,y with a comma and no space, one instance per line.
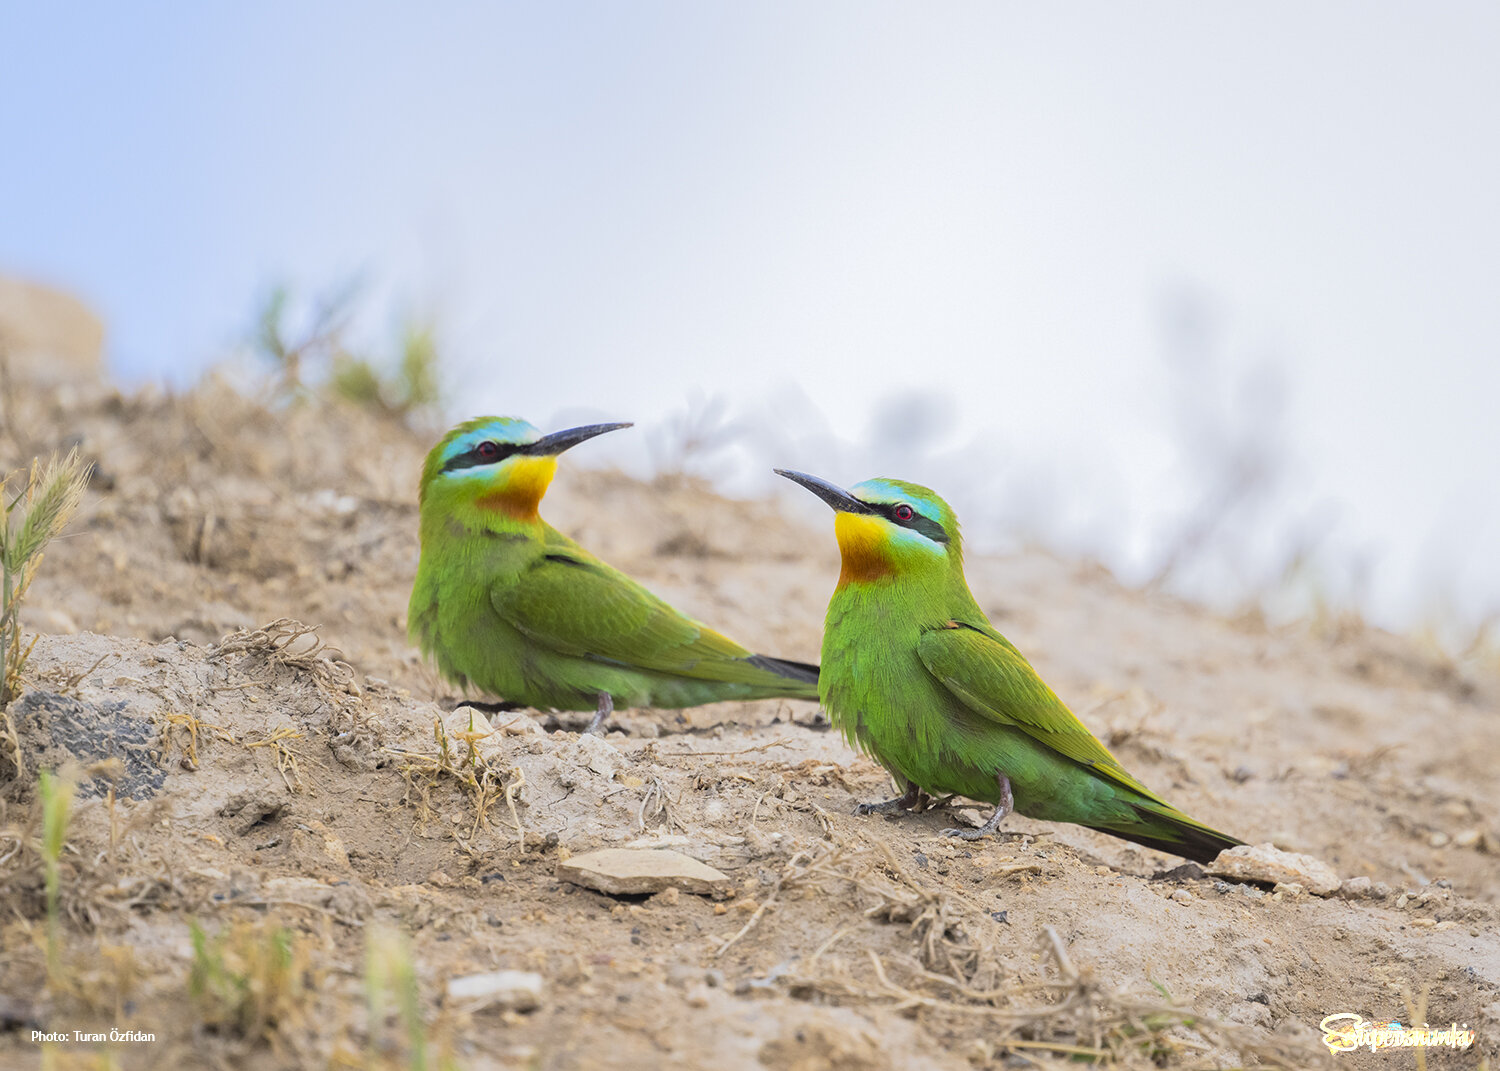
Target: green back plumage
505,602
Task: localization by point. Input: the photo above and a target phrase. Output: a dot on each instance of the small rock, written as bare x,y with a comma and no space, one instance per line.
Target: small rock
1290,889
598,755
1264,862
1467,838
1185,872
632,872
1438,839
1182,896
509,990
1356,888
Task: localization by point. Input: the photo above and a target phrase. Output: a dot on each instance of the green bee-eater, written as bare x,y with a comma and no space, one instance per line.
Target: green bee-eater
914,674
506,602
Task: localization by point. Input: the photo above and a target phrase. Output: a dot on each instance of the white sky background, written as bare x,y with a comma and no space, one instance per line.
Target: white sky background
942,242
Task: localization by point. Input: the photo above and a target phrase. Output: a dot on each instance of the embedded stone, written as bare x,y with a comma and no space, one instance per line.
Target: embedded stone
635,872
1269,864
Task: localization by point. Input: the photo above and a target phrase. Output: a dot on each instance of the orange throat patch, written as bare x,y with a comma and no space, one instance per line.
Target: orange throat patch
866,548
526,481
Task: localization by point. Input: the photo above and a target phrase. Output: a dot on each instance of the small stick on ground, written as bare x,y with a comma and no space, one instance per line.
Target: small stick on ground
514,785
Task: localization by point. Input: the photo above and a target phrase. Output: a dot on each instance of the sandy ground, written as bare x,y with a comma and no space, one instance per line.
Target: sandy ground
290,791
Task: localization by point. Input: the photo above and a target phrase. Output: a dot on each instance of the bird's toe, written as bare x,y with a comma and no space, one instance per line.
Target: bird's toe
966,834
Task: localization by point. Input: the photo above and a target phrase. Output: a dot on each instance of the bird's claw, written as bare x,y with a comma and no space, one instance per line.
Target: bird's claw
913,799
966,834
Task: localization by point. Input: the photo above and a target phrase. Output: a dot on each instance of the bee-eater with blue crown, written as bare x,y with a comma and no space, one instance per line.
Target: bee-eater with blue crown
914,674
506,602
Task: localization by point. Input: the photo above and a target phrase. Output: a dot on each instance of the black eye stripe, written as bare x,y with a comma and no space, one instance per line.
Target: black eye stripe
470,458
917,523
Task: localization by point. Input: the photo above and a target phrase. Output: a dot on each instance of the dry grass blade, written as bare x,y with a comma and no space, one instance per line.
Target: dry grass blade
44,506
286,758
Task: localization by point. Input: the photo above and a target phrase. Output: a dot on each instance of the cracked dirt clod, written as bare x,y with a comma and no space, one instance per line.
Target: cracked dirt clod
633,872
1262,862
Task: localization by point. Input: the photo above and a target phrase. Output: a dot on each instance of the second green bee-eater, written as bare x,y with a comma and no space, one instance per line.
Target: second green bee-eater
914,674
507,603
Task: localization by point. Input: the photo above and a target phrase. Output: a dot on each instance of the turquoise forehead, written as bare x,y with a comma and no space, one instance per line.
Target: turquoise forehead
492,429
887,492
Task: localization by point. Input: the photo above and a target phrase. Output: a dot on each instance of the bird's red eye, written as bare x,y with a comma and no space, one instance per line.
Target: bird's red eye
487,450
903,512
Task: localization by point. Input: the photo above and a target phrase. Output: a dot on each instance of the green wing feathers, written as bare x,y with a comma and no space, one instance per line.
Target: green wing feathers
571,602
990,677
985,671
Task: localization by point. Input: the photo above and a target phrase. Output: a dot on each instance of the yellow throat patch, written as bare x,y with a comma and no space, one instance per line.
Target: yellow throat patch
865,545
527,480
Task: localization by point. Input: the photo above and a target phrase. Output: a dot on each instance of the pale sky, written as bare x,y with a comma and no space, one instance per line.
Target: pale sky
941,242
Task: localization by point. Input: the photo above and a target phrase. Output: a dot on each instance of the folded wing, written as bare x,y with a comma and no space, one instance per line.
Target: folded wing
990,677
570,602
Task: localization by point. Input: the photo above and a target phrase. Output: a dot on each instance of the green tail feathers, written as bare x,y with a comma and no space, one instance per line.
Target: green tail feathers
1174,832
805,672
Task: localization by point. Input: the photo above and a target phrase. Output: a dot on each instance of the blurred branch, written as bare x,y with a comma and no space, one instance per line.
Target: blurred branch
697,431
1227,435
318,355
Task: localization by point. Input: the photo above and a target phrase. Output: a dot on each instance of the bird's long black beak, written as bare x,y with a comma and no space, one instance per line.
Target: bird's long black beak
841,501
558,441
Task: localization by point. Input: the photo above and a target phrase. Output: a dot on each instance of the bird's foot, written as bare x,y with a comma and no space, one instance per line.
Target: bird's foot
968,834
1003,808
912,799
605,709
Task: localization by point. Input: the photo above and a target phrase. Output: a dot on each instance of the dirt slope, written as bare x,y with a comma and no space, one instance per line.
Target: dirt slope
275,790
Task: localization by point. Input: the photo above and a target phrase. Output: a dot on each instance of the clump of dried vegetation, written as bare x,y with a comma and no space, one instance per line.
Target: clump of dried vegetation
459,760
